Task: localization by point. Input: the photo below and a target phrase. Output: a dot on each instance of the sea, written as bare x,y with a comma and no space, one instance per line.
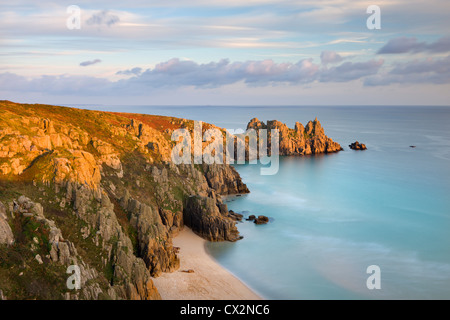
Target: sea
371,224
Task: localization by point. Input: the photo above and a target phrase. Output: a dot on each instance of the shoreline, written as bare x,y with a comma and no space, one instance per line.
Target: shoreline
209,281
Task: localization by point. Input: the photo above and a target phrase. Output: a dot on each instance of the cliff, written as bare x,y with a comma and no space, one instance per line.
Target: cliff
98,190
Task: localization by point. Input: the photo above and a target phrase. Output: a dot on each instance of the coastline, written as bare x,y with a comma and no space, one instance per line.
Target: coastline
209,281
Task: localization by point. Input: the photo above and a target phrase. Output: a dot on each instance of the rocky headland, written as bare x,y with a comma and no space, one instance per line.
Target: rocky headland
98,190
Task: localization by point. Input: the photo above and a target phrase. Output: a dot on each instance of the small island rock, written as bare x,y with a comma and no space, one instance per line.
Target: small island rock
357,146
261,220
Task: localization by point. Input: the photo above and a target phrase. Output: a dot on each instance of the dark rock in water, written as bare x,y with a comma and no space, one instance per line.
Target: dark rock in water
357,146
251,218
235,216
261,220
412,146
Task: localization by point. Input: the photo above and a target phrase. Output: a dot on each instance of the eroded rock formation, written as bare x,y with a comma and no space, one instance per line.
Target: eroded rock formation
300,140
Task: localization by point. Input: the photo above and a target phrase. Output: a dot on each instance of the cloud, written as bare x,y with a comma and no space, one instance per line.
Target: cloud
349,71
135,71
435,71
56,85
430,65
440,46
327,57
411,45
89,63
103,18
176,73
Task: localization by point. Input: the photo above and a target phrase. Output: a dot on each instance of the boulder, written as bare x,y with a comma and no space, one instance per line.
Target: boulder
261,220
235,216
6,234
357,146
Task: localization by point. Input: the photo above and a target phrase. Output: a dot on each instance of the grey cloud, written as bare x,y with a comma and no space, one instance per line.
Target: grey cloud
327,57
349,71
440,46
439,66
135,71
411,45
436,71
89,63
58,85
176,73
103,18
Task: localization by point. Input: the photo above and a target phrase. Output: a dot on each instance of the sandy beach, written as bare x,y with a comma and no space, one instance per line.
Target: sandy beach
209,281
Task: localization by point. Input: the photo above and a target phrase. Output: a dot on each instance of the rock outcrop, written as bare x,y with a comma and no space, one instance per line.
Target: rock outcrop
258,220
57,249
357,146
205,218
154,240
261,220
300,140
224,179
132,278
6,234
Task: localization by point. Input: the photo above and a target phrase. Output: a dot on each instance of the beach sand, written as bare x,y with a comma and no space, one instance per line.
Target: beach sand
209,281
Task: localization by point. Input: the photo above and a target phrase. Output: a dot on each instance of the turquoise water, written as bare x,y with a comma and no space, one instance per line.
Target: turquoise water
334,215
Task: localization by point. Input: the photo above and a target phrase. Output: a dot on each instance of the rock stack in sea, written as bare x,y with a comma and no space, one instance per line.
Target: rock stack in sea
357,146
300,140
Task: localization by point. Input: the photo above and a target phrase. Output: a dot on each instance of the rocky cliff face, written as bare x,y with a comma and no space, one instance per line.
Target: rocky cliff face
300,140
98,190
208,217
224,179
6,234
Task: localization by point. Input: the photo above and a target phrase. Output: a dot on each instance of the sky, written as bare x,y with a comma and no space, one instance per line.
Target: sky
225,52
